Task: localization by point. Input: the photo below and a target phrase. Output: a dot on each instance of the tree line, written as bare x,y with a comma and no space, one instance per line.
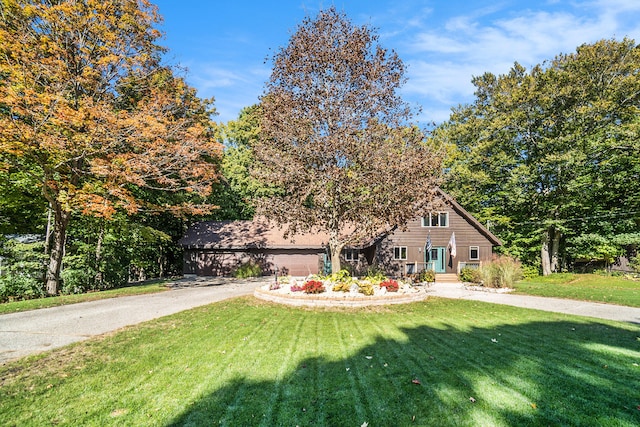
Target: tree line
109,154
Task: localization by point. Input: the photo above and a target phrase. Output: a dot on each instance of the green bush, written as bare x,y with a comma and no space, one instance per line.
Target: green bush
75,281
15,287
374,274
426,276
530,271
501,272
470,275
247,269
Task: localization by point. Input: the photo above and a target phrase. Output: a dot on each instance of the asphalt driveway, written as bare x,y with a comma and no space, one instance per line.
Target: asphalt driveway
35,331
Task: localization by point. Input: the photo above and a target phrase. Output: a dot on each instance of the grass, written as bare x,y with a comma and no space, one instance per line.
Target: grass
585,287
33,304
244,362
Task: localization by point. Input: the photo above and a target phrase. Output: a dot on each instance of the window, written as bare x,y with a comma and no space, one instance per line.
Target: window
474,252
351,254
411,268
400,253
436,219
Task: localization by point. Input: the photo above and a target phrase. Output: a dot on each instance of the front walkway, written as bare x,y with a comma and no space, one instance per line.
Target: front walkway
579,308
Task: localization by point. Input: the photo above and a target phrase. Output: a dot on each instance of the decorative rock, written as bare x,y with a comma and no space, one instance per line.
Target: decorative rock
381,291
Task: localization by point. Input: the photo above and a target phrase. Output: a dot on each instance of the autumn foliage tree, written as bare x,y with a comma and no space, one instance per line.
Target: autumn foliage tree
89,111
336,137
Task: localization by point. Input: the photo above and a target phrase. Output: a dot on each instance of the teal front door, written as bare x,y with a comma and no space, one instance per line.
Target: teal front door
437,259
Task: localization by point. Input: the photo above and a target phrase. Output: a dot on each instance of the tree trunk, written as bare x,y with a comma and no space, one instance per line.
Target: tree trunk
61,221
544,254
98,277
47,234
555,251
335,248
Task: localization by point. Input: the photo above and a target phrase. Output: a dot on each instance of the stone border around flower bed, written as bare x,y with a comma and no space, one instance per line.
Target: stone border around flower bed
348,300
485,289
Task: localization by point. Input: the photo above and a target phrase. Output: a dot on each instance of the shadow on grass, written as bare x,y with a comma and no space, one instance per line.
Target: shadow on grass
541,373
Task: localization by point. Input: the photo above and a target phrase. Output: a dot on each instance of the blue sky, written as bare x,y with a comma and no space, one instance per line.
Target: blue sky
224,44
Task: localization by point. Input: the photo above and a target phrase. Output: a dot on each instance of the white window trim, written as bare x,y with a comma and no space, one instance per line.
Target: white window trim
400,248
351,255
477,248
428,218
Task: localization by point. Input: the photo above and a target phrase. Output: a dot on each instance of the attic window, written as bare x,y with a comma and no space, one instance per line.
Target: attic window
474,253
436,219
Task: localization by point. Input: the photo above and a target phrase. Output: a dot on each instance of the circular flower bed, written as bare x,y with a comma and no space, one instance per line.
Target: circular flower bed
340,291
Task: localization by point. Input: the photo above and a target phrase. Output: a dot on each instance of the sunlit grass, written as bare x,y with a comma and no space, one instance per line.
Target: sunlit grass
34,304
586,287
244,362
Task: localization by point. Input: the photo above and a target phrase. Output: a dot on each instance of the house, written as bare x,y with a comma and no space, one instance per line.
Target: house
445,240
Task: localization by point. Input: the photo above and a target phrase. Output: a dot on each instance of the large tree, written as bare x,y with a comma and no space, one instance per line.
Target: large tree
336,138
89,111
552,153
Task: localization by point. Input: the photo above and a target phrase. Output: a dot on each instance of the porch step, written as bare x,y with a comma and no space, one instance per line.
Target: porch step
447,278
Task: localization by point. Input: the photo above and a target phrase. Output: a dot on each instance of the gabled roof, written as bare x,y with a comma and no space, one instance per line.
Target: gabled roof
470,219
260,233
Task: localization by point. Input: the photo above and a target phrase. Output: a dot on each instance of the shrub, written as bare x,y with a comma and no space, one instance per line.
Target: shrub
296,288
501,272
20,287
365,288
530,271
470,275
426,276
342,287
391,285
76,281
375,275
247,269
313,287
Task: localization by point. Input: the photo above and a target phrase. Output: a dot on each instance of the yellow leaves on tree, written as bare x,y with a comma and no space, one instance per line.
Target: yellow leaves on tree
86,107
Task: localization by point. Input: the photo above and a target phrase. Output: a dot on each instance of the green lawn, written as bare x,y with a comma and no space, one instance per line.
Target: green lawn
586,287
15,306
244,362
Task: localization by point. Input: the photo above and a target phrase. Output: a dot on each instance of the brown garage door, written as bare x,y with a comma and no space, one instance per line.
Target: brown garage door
296,264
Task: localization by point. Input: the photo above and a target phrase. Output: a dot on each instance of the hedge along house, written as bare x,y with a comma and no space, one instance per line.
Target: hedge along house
445,240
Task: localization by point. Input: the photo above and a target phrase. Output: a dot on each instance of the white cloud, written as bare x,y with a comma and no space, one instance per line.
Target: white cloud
443,58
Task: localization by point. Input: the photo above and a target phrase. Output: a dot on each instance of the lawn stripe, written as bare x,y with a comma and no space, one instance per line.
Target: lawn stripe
355,391
288,360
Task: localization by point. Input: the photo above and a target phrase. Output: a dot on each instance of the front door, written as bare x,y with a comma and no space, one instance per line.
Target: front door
437,259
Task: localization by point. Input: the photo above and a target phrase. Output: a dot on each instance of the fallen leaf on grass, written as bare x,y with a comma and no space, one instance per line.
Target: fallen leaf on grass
416,381
365,424
534,406
472,399
494,340
369,357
